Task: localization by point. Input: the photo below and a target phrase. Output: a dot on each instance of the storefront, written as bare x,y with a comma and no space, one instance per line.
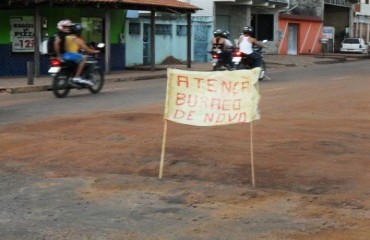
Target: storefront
17,38
28,23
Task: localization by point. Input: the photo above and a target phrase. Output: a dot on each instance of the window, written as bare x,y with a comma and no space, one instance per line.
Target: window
351,40
181,30
263,24
93,30
163,29
134,28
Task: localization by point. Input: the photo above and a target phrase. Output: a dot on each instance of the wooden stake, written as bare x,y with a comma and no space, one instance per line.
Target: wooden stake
252,158
163,149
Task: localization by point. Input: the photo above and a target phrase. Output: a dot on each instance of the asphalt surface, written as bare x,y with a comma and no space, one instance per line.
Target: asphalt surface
48,204
21,84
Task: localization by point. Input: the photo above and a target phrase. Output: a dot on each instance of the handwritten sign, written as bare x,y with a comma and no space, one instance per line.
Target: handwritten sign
23,35
212,98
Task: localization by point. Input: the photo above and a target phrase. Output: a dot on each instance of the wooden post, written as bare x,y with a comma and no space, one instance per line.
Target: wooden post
188,60
252,158
163,149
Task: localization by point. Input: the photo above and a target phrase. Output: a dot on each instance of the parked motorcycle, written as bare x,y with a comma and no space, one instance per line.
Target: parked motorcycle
242,61
63,73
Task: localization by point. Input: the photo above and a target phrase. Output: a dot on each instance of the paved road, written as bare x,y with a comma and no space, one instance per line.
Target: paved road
125,95
48,206
37,105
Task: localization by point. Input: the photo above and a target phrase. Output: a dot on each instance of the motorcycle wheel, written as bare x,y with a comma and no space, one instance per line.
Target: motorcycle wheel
263,72
98,80
60,84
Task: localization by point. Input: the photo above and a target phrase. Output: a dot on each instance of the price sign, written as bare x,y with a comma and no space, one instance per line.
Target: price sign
23,35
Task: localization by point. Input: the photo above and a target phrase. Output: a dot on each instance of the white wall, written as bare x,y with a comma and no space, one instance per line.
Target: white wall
205,5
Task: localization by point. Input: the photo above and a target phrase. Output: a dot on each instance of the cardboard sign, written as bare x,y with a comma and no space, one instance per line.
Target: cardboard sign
212,98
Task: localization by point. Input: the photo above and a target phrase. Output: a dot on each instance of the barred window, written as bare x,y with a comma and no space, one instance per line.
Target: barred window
163,29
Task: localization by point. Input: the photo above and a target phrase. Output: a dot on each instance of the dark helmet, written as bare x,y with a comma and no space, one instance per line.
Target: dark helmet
225,34
76,28
218,33
248,30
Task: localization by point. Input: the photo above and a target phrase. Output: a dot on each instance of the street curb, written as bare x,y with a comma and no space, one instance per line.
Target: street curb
137,78
41,88
328,59
25,89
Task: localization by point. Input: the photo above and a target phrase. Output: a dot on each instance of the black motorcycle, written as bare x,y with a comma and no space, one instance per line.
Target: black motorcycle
63,73
243,61
219,60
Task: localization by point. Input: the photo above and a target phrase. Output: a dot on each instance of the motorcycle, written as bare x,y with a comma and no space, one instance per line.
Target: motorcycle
218,61
63,73
242,61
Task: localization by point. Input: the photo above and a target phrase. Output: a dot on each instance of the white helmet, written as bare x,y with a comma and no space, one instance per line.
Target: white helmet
64,25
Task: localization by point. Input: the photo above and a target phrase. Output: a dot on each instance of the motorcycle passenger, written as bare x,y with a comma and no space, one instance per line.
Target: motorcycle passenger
246,42
63,29
228,43
73,45
229,47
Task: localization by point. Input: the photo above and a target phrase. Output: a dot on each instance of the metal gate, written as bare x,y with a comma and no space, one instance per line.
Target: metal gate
202,38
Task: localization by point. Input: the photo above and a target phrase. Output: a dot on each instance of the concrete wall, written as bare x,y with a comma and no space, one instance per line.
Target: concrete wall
314,8
309,35
206,5
361,22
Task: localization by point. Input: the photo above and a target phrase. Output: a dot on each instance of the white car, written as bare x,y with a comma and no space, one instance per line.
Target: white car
356,45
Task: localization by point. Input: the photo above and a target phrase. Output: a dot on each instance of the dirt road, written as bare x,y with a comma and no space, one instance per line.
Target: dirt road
95,176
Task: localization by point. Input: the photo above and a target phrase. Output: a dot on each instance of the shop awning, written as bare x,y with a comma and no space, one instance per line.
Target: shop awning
173,6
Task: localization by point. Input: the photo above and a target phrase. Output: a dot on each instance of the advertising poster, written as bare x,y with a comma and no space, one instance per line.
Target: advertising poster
22,34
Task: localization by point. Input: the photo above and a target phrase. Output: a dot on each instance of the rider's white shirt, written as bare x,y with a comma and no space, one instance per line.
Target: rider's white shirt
245,46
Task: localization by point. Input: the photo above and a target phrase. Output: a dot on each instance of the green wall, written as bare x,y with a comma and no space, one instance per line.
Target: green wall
53,15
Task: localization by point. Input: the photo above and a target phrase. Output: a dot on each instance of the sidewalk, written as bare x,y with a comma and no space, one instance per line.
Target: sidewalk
19,84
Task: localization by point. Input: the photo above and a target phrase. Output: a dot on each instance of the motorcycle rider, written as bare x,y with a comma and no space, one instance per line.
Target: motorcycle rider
246,42
73,44
220,45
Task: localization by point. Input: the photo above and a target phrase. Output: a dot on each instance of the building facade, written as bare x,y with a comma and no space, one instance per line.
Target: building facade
361,20
234,15
27,24
17,44
306,23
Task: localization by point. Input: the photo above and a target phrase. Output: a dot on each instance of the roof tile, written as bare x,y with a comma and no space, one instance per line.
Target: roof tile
136,4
